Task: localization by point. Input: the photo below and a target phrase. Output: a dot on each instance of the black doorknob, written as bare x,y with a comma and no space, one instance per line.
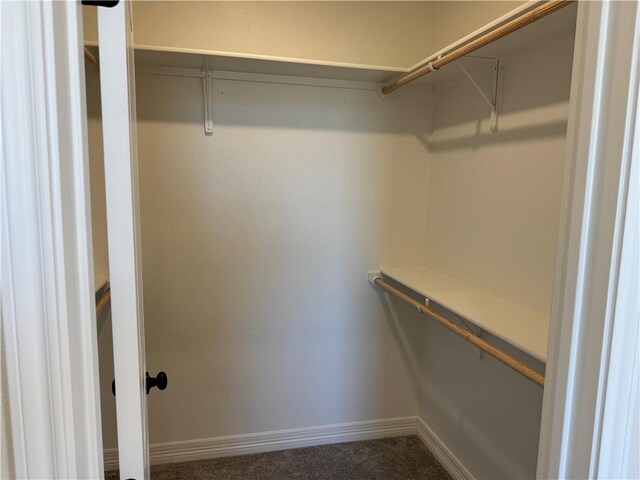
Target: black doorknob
159,381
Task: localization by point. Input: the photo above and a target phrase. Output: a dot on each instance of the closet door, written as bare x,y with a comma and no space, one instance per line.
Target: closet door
125,268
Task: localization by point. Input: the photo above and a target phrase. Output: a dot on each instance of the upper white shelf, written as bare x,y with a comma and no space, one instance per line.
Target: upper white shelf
150,56
233,62
561,23
519,326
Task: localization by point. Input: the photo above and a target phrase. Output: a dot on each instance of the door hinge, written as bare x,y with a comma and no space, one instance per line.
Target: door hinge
101,3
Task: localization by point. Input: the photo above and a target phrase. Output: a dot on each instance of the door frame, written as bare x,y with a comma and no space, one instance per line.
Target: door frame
594,319
50,347
48,306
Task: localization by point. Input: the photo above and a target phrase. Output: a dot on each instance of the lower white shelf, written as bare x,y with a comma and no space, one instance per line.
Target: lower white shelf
519,326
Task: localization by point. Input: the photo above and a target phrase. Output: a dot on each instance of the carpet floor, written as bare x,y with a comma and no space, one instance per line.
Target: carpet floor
402,458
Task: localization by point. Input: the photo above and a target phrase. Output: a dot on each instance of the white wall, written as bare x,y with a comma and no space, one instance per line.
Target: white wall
493,209
494,198
377,33
389,33
455,19
256,244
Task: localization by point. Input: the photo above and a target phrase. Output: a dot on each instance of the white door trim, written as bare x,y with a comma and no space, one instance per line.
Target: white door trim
47,280
597,214
48,309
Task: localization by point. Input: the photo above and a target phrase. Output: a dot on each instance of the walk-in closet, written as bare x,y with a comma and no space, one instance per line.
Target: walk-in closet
349,217
319,240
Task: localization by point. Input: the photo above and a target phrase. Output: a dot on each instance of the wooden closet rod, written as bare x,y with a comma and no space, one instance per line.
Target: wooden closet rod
89,56
103,299
496,353
511,26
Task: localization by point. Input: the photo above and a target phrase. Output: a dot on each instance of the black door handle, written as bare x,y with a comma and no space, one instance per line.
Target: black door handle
159,381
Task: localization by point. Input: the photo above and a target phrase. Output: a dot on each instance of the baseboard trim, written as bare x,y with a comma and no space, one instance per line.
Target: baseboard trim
190,450
445,456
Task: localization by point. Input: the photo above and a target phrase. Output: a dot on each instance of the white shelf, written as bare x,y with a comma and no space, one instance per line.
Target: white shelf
151,56
561,23
519,326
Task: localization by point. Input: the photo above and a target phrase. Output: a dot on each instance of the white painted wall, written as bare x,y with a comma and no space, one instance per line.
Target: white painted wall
256,243
494,198
493,208
455,19
378,33
389,33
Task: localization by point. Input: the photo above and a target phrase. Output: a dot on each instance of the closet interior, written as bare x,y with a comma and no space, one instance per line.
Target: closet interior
340,248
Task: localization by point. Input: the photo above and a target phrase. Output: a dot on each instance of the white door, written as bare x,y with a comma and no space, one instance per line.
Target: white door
117,85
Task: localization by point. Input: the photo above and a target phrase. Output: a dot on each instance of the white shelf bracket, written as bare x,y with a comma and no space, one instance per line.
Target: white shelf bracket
207,92
492,103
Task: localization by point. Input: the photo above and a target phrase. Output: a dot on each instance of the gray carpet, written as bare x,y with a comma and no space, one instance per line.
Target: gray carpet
403,458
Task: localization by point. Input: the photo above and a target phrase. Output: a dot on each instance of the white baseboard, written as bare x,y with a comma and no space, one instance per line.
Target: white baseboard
445,456
190,450
270,441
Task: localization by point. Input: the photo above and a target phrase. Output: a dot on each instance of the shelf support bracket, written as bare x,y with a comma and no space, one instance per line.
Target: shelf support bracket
207,92
492,103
